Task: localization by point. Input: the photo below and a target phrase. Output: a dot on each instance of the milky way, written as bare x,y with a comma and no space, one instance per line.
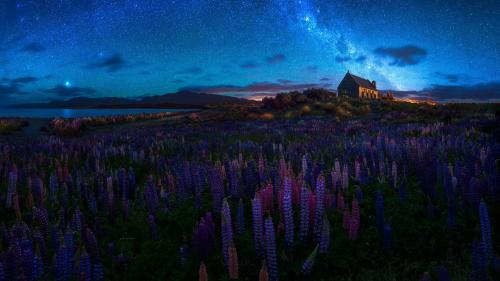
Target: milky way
52,49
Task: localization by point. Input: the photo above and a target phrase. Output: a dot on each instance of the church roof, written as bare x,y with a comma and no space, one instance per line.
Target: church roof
362,82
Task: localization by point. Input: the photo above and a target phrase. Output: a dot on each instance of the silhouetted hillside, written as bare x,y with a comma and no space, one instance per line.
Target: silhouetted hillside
174,100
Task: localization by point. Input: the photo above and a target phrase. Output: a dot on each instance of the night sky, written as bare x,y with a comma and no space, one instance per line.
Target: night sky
59,49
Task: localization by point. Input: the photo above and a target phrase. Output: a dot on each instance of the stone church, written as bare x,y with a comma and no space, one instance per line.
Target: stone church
355,86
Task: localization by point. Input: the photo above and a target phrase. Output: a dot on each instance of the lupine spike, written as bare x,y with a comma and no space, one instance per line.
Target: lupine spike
324,243
320,204
271,255
233,262
304,213
288,216
263,275
486,240
444,275
226,229
202,272
257,226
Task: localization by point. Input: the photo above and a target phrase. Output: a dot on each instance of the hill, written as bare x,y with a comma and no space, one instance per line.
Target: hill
171,100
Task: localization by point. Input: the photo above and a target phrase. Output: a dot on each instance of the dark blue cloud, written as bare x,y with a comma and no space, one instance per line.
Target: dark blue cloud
62,91
249,65
403,56
360,59
451,78
257,87
312,68
278,58
464,93
33,47
112,63
24,80
342,59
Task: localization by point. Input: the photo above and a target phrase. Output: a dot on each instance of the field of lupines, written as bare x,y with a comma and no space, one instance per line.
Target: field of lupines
306,199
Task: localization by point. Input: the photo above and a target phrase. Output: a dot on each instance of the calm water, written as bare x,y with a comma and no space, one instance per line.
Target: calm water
74,113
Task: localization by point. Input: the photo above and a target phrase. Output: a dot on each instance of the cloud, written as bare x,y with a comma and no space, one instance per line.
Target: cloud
62,91
285,81
33,47
278,58
24,80
342,59
324,79
312,68
361,59
258,87
403,56
464,93
10,90
112,63
452,78
192,70
249,65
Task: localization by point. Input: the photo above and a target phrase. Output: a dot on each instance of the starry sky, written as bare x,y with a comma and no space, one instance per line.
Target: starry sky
60,49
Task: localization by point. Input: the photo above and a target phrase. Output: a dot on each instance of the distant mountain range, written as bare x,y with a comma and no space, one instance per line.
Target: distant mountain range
173,100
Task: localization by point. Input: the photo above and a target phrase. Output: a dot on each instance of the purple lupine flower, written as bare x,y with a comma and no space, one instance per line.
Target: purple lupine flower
152,227
345,177
479,262
11,188
387,239
309,262
354,220
357,170
288,217
226,229
324,243
53,187
443,273
304,213
271,253
320,207
358,192
63,264
257,226
37,267
496,264
151,196
394,173
84,270
217,188
27,257
203,238
379,209
97,272
486,239
240,218
40,216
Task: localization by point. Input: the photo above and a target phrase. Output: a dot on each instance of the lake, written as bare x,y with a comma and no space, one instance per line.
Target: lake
75,113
